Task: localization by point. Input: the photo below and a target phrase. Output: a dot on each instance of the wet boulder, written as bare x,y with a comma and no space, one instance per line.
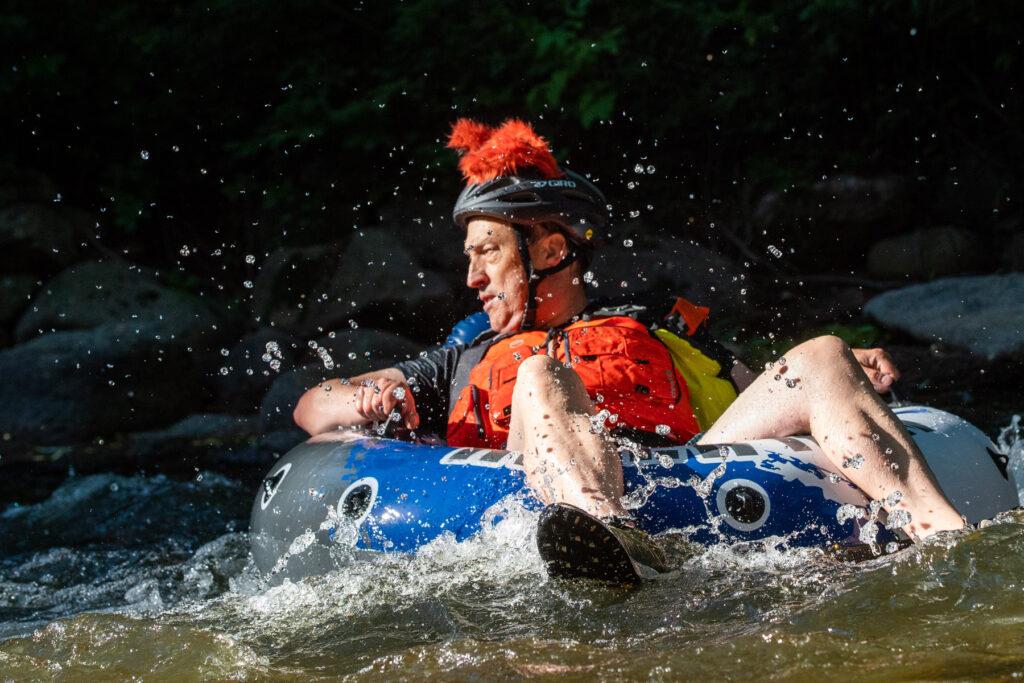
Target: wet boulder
104,292
38,238
71,386
830,223
105,349
927,253
25,187
310,290
15,291
843,200
982,314
656,268
206,438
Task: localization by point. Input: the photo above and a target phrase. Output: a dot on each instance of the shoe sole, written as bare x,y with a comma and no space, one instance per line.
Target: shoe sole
574,545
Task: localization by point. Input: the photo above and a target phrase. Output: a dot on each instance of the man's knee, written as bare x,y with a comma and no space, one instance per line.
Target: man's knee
826,349
535,375
820,360
541,376
537,368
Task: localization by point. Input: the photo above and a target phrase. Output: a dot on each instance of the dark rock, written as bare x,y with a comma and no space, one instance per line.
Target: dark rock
104,292
657,268
36,238
25,187
204,437
843,200
351,353
926,254
829,224
15,292
244,377
315,289
982,314
70,386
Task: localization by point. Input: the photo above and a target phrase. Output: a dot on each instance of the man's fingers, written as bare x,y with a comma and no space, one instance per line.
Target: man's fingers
887,366
412,416
357,401
879,380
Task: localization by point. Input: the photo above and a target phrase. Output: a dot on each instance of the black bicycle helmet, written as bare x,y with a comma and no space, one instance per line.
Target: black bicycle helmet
572,202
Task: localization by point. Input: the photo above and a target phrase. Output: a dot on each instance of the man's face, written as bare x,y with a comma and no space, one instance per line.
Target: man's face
496,272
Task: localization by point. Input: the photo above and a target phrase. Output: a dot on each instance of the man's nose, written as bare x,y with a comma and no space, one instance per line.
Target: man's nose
475,276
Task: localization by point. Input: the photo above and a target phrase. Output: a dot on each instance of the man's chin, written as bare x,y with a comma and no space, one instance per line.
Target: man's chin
503,325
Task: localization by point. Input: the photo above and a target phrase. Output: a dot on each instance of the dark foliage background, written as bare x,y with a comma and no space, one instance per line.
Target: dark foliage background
260,123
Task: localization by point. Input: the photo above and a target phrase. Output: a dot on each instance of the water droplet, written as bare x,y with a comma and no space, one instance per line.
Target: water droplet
144,154
627,243
869,533
663,430
898,519
250,259
855,462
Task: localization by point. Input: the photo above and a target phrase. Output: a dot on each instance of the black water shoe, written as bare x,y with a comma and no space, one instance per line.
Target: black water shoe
574,544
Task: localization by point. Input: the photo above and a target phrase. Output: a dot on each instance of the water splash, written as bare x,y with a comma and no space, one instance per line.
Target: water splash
1010,443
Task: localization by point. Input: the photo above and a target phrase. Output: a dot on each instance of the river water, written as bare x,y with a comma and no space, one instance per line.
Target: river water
114,577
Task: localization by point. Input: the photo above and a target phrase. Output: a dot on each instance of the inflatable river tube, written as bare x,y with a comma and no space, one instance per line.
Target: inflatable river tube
346,488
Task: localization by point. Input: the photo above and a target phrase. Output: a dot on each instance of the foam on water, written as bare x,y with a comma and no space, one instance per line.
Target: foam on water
1010,443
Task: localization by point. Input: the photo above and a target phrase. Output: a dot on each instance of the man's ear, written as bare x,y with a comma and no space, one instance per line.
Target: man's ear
553,248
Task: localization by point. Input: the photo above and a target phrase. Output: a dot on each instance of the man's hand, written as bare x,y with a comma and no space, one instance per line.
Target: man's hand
376,398
879,367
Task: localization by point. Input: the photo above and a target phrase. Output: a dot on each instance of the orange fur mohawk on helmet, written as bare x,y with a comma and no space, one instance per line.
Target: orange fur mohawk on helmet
488,153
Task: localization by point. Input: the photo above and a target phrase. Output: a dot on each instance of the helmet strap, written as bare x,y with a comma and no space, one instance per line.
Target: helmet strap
534,276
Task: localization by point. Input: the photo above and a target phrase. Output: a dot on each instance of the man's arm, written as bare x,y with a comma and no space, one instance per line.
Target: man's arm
364,399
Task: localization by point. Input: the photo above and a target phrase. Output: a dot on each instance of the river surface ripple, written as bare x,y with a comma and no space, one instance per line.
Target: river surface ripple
118,577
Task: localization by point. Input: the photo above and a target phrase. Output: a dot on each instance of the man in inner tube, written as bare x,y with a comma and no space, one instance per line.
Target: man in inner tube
557,381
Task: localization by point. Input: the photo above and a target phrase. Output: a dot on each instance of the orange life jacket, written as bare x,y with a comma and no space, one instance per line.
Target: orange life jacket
625,370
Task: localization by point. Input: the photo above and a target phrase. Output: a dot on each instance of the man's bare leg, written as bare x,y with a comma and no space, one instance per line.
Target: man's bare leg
823,391
565,461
